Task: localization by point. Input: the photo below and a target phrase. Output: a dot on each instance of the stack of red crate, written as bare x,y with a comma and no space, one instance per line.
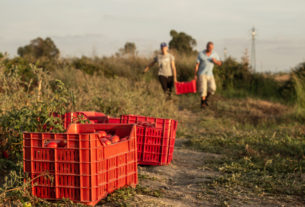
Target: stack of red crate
79,167
85,170
155,136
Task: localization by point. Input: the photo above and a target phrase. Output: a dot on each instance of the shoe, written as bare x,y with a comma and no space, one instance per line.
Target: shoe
207,98
206,102
203,104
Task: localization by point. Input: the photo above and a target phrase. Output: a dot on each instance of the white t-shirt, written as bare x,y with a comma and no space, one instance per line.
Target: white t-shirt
165,64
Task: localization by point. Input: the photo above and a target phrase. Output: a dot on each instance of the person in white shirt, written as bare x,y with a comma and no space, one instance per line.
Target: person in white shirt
167,69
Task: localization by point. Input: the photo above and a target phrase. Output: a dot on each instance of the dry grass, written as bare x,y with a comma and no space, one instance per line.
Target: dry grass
282,77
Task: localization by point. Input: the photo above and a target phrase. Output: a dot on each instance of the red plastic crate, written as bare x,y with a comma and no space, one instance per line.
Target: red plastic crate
85,116
155,144
114,120
90,116
91,113
83,170
186,87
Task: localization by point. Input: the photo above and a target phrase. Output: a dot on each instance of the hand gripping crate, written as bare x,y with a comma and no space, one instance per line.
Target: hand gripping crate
81,169
185,87
155,141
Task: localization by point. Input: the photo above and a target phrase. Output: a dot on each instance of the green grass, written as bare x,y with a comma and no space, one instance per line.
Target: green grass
262,156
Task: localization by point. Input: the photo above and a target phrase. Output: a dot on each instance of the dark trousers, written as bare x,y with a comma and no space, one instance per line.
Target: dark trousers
167,83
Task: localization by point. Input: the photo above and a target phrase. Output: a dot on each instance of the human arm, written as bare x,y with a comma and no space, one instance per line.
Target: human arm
197,65
174,70
196,70
217,62
150,65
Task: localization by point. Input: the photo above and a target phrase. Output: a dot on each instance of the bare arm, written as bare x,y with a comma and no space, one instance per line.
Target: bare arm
174,70
217,62
149,66
196,70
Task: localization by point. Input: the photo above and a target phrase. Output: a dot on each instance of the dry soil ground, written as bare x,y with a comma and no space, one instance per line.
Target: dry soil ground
182,183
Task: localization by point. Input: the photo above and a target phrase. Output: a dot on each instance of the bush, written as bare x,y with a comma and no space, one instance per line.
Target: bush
298,80
32,119
185,65
28,107
294,88
22,67
130,67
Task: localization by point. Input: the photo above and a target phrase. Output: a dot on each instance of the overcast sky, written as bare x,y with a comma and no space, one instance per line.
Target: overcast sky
101,27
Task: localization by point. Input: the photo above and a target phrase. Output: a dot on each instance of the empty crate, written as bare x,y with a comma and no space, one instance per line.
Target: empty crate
185,87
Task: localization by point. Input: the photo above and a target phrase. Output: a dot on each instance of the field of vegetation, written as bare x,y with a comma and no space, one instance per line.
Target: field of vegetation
246,149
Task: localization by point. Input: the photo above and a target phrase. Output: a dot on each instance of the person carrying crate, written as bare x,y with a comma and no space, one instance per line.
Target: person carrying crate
206,85
167,69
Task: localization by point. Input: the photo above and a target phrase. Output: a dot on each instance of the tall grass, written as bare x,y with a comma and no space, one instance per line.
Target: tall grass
233,78
298,80
300,92
116,95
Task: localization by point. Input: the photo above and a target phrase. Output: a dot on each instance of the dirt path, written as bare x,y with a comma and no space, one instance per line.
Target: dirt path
180,182
183,184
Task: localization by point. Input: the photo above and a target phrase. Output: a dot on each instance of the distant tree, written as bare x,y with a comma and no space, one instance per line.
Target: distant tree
299,71
182,42
128,49
245,60
245,57
39,48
